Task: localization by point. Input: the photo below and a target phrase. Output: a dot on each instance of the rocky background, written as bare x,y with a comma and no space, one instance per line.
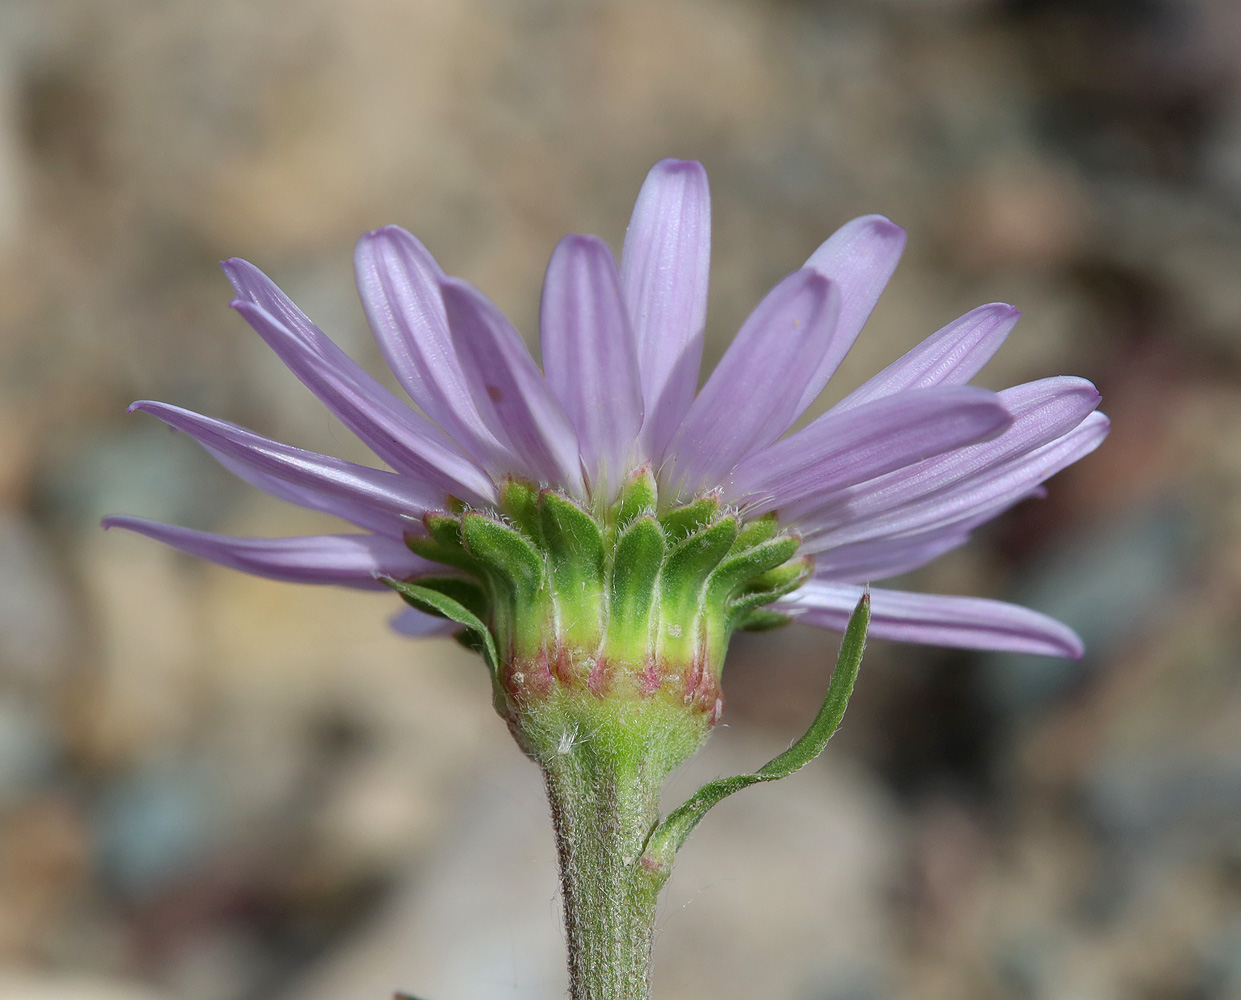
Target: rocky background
219,788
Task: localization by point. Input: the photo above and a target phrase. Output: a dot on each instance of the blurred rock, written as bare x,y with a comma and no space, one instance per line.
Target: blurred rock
49,986
27,748
44,855
156,824
37,627
1108,584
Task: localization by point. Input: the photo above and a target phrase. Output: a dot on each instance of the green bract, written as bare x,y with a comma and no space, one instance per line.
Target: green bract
622,613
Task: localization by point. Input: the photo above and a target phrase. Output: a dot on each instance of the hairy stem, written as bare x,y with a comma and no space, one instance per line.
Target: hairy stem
603,809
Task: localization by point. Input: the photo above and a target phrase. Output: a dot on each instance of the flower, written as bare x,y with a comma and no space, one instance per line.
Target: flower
897,473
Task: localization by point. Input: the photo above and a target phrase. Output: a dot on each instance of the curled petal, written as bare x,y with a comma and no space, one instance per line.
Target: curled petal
753,395
509,386
859,257
345,560
590,357
398,281
937,620
951,356
664,275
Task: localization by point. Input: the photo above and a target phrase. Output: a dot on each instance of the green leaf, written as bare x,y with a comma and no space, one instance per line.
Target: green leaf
576,560
504,552
574,541
433,602
781,576
467,639
668,837
690,562
520,502
442,543
635,573
444,528
760,620
637,496
681,522
468,593
738,570
757,531
770,586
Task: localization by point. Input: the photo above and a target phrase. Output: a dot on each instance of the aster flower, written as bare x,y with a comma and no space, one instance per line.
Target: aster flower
897,473
598,529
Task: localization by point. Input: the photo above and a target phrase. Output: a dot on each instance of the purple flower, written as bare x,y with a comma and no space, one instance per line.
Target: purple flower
897,473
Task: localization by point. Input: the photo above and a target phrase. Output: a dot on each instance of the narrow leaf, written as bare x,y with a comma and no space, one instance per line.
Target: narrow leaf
435,603
637,497
668,837
761,620
737,570
770,586
576,559
504,551
520,501
573,539
635,573
756,532
681,522
468,593
691,561
449,555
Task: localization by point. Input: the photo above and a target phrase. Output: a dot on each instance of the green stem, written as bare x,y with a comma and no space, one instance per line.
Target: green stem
603,810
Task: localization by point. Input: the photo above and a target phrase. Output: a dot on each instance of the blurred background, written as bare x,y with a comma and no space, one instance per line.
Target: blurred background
219,788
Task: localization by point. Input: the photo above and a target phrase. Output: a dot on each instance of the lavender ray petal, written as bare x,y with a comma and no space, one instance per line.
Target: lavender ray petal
881,558
937,620
1042,411
753,395
341,486
590,357
417,625
346,560
361,514
398,281
981,496
664,274
404,439
509,386
841,449
860,257
951,356
829,556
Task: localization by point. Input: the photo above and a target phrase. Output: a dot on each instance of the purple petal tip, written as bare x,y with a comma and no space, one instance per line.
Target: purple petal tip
1001,310
672,165
582,240
390,231
884,226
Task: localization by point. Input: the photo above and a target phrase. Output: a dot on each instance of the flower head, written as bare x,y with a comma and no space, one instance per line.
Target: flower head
605,499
